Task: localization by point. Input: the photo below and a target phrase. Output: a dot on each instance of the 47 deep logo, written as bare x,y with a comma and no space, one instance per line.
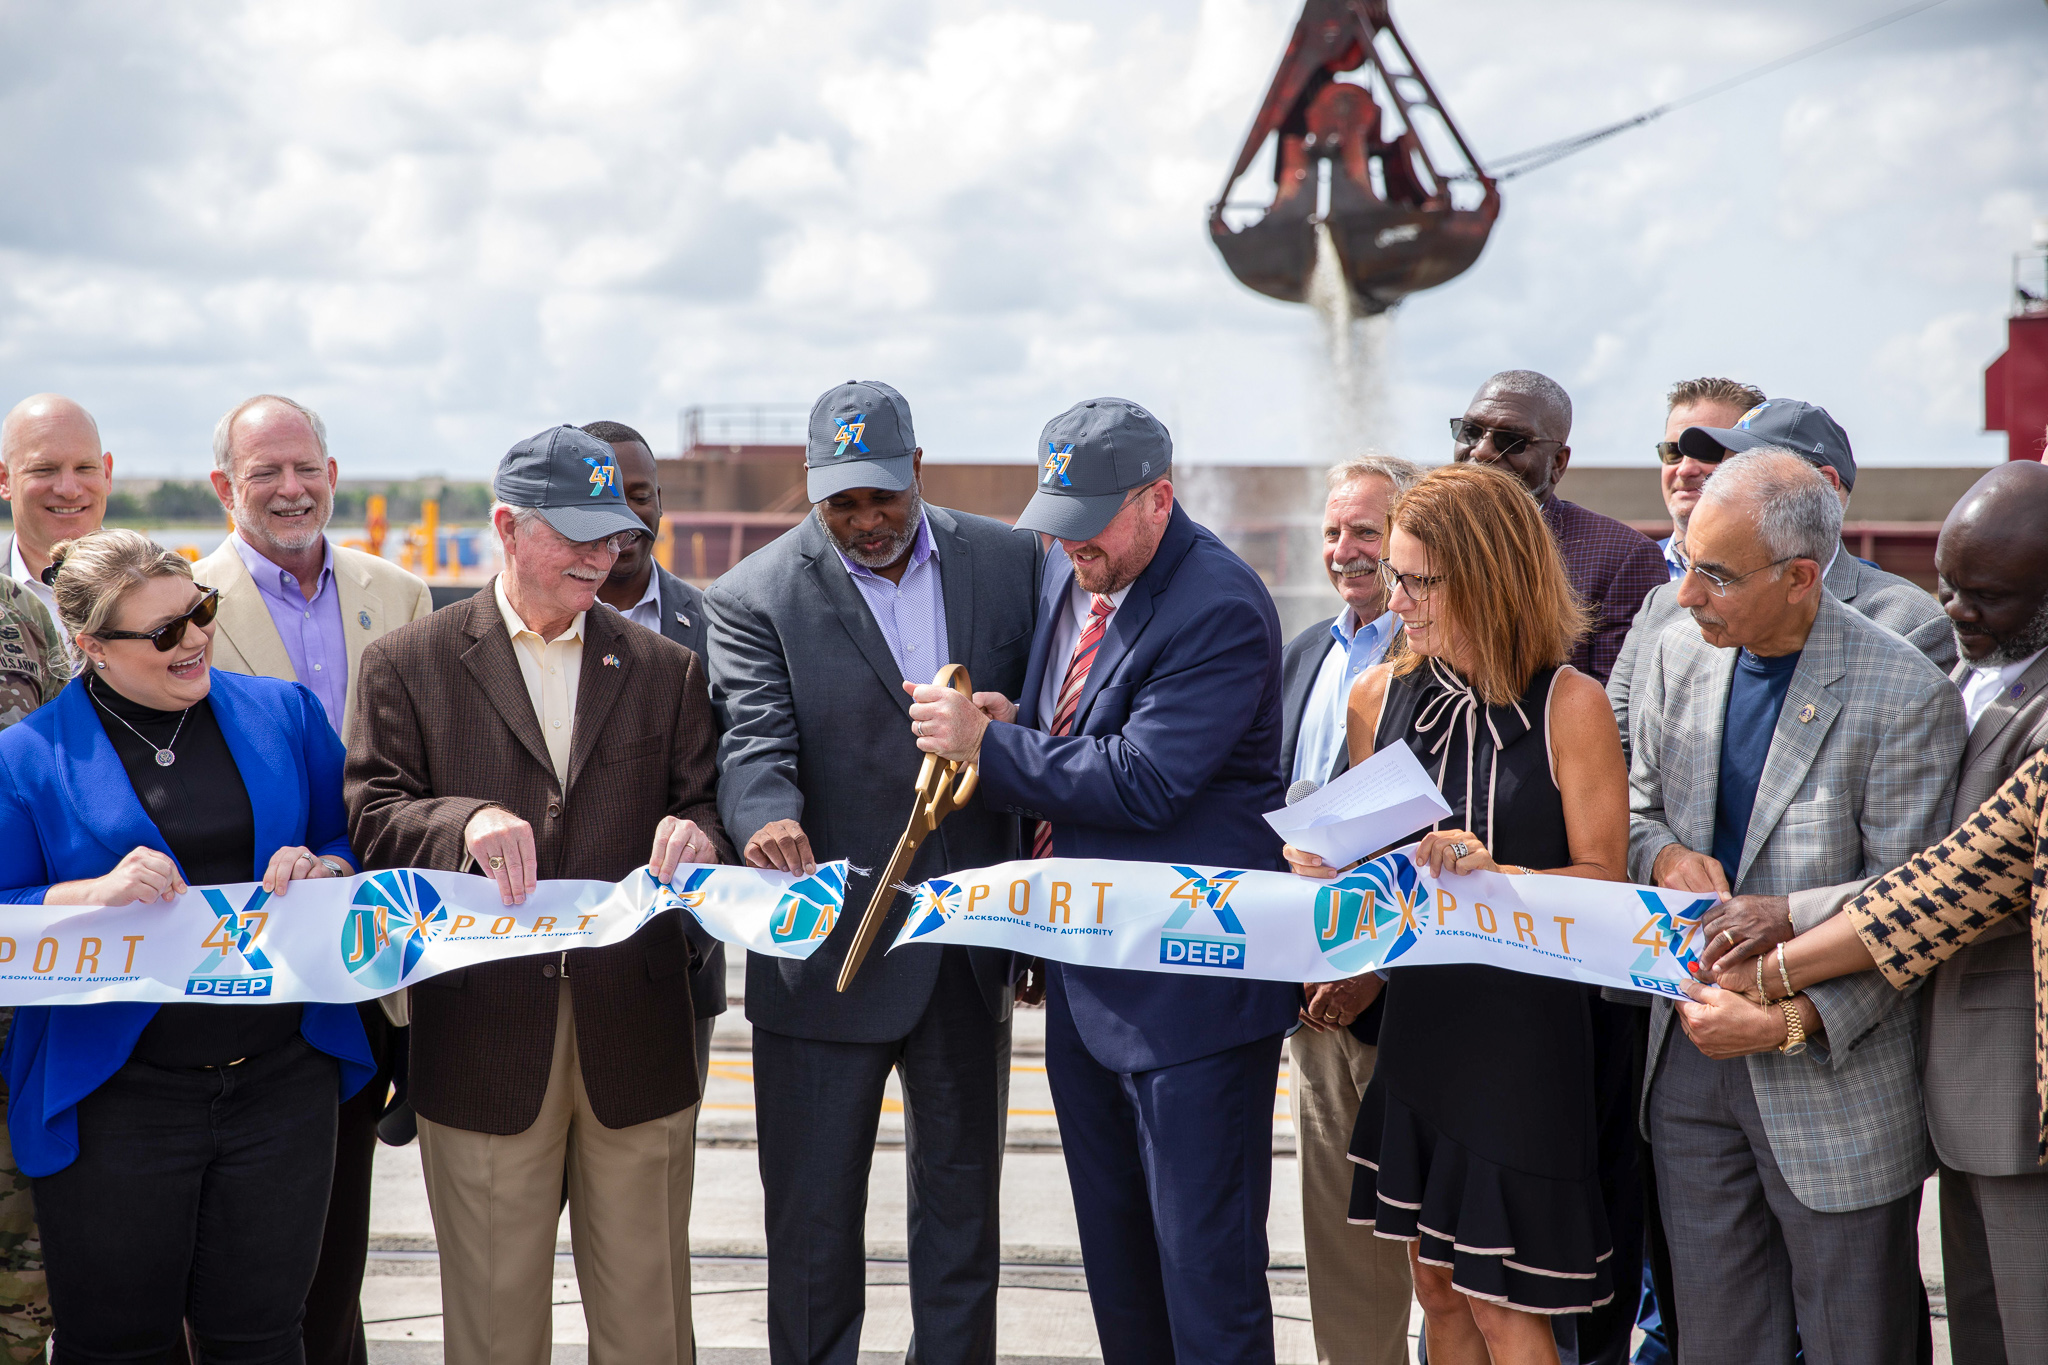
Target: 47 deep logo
234,966
1211,892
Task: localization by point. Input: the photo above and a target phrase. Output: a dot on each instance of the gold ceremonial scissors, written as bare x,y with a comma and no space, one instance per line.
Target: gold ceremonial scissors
943,787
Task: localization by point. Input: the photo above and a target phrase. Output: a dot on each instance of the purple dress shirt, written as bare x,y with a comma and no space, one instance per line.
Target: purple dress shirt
912,614
311,631
1612,567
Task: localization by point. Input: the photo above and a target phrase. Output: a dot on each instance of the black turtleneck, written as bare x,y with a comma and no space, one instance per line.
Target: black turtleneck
201,806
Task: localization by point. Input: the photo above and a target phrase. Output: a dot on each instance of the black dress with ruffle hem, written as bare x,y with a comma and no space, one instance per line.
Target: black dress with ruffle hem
1475,1138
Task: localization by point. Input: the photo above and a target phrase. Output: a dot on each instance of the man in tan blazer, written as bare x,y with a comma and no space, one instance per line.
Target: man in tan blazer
295,606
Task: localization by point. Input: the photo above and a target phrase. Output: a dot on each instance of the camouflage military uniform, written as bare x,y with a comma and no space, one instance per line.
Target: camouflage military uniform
33,669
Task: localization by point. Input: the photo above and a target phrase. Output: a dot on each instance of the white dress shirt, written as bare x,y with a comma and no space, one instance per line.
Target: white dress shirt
18,570
1987,682
1353,649
1067,634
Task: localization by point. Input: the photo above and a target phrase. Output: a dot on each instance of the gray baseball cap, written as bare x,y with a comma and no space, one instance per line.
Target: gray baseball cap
1089,457
1802,428
571,477
860,437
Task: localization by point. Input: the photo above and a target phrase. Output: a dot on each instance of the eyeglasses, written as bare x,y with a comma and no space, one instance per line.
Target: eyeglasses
1466,435
166,636
1718,585
1416,585
1669,453
615,544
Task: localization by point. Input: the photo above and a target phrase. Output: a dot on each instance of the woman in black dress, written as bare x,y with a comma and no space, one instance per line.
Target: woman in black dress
1475,1140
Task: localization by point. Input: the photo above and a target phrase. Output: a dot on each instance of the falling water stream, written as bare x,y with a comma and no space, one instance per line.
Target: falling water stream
1272,515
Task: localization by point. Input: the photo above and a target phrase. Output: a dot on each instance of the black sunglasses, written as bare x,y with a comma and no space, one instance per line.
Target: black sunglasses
1466,434
166,636
1669,453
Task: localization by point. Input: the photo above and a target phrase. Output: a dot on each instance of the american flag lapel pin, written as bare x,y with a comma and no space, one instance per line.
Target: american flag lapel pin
682,621
610,661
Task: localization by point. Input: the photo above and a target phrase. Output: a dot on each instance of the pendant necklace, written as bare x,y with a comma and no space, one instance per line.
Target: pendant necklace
164,756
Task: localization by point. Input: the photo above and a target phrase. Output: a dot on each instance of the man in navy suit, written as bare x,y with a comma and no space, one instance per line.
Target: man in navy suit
1149,730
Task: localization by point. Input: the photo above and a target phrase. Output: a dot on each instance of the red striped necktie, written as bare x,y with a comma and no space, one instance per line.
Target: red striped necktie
1070,696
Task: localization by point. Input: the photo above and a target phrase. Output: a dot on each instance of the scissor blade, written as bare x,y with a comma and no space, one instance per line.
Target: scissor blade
884,897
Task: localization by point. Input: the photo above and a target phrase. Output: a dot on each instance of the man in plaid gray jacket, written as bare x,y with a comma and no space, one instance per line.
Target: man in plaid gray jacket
1782,744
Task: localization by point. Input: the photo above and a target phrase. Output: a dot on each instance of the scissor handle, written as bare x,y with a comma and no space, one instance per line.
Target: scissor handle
936,799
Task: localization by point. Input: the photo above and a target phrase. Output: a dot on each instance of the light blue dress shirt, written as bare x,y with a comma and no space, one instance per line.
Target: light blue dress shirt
1671,559
1351,652
911,614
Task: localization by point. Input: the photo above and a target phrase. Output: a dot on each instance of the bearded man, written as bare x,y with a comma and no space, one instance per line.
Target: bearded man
295,606
815,641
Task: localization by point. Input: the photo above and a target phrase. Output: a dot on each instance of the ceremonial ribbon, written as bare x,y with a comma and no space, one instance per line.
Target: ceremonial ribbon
343,940
1274,926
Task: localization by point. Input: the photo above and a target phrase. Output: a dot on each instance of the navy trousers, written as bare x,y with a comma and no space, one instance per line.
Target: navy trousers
1172,1171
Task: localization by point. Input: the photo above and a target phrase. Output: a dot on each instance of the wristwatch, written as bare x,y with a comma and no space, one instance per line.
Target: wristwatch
334,867
1795,1028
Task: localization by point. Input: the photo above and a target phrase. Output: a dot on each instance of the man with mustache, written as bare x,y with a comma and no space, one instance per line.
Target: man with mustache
1979,1069
526,735
815,642
1359,1285
1785,745
56,477
293,605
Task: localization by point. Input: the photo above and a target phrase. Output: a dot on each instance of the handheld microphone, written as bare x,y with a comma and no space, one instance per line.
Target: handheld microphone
1302,790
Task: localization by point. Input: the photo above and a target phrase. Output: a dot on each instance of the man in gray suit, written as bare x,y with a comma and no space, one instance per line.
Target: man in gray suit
1978,1010
1786,744
814,641
646,594
1898,604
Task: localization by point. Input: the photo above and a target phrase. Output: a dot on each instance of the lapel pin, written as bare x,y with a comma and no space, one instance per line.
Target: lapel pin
610,661
682,621
363,619
2019,690
1806,713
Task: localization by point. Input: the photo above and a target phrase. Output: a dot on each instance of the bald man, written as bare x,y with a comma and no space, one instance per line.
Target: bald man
1522,421
1978,1059
56,477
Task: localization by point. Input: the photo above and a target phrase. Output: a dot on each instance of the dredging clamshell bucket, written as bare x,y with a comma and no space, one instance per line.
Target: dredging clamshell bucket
1349,154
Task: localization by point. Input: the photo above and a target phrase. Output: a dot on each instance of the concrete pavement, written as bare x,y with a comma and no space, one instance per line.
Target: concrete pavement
1043,1313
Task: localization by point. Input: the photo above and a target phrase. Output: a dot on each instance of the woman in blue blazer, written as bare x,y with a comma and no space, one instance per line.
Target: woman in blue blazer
181,1153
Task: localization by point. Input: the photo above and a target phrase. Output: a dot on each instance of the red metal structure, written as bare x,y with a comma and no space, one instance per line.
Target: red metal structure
1351,153
2016,384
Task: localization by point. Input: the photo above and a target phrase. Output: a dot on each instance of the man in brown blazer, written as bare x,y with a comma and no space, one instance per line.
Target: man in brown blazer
525,734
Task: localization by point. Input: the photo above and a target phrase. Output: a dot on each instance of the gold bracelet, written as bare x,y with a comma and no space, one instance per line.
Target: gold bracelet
1784,975
1795,1028
1762,994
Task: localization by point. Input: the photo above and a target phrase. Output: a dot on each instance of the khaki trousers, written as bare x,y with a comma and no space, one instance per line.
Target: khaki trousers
496,1203
1359,1285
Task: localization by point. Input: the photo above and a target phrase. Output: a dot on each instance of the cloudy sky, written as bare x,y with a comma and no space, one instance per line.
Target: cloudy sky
449,225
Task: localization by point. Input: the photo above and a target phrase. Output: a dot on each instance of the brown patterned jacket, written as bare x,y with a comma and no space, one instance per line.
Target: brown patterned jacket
443,727
1993,867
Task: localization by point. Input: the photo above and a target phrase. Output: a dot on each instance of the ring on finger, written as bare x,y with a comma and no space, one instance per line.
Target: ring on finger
1460,849
1729,936
497,862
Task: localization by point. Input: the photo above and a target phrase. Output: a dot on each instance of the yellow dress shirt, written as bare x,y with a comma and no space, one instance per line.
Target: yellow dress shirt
552,669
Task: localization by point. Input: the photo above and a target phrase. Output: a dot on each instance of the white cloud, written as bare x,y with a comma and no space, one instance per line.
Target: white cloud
450,225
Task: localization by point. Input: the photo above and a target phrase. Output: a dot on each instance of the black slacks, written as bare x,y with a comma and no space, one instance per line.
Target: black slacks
334,1305
197,1196
818,1104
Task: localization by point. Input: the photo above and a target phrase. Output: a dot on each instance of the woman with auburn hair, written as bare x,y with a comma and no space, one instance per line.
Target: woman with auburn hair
1475,1140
